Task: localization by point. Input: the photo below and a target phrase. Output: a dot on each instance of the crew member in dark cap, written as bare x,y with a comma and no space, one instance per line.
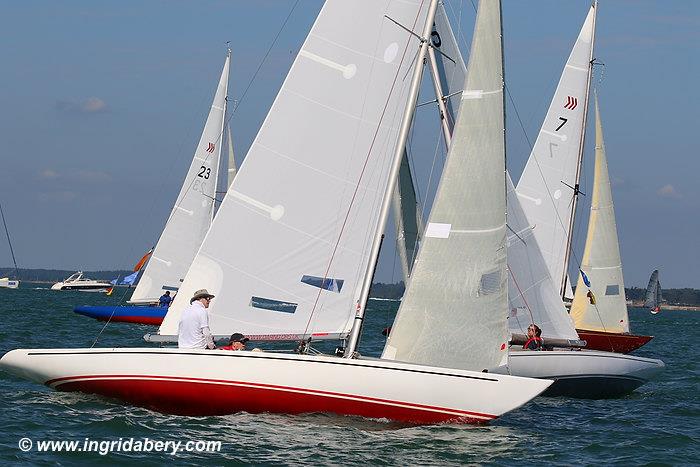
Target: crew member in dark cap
236,342
193,331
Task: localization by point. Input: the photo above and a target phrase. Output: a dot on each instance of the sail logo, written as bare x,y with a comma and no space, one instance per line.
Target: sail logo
571,103
211,147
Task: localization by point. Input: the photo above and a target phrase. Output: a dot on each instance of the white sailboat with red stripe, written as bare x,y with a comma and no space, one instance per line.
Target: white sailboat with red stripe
313,195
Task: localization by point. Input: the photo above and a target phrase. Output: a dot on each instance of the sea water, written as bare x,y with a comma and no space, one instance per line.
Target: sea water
659,423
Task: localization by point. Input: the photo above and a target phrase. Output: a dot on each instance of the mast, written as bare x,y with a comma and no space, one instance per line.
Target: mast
9,242
354,336
570,233
444,114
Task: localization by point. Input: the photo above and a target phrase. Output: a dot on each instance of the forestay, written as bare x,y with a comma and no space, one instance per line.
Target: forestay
290,243
454,310
547,185
601,256
192,214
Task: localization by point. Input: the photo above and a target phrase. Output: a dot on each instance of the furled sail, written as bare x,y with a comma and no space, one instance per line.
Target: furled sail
458,286
547,187
451,72
532,295
601,263
310,189
653,296
192,214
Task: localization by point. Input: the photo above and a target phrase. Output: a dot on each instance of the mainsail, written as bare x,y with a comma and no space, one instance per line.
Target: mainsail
309,190
548,187
653,296
458,287
192,214
607,310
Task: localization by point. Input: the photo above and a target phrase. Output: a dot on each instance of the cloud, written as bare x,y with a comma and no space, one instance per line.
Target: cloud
48,174
90,105
668,191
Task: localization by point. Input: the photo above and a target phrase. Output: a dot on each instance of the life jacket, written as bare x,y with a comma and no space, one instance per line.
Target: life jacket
536,340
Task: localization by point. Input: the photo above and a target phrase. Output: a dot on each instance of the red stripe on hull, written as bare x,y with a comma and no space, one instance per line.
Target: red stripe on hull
202,397
132,319
612,342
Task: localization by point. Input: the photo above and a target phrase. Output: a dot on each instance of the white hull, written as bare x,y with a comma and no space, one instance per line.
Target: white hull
9,284
206,382
97,287
585,373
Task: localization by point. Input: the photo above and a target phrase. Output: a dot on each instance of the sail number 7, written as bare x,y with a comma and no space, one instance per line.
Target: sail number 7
563,122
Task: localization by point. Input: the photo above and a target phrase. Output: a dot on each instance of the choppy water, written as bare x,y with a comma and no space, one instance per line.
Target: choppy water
657,424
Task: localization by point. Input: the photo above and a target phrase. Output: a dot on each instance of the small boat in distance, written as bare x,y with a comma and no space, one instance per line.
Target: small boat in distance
6,282
653,298
78,282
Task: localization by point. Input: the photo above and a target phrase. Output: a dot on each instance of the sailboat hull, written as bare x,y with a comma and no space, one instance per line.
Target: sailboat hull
587,374
611,341
124,314
201,382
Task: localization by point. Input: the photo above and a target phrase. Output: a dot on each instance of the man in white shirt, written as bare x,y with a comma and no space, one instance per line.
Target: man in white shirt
193,332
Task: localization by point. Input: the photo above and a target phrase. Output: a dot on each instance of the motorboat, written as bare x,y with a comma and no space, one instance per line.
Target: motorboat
83,284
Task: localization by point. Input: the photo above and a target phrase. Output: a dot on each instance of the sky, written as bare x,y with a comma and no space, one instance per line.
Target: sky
102,104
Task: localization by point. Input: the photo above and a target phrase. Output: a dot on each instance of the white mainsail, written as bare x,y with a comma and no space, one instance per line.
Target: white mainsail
458,287
532,295
547,187
192,214
601,257
310,188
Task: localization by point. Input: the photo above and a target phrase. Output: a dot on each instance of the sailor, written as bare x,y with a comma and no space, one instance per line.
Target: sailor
165,299
534,341
193,331
236,342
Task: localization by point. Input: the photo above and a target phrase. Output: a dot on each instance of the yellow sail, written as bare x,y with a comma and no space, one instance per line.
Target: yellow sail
602,306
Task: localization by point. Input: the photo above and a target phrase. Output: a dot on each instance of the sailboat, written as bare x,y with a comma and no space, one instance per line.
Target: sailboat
6,282
653,297
303,268
187,224
533,298
599,309
549,189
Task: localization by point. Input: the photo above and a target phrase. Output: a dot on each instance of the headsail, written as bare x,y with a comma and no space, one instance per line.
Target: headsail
458,287
549,183
532,295
309,189
601,263
193,211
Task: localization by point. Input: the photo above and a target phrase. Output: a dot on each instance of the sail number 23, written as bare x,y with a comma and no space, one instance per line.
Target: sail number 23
204,172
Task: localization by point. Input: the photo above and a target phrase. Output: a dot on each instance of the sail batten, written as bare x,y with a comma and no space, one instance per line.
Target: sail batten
458,286
606,309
